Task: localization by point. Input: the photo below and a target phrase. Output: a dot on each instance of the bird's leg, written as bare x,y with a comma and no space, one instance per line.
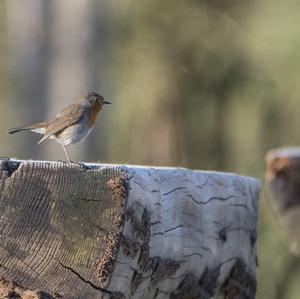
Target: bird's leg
68,158
82,165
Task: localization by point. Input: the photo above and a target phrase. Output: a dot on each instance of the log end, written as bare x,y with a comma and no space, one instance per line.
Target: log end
282,178
111,231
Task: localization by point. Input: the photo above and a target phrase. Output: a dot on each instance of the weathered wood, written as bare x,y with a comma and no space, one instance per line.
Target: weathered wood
11,290
283,184
105,231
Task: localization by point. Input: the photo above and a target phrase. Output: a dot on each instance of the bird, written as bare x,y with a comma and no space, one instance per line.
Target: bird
72,125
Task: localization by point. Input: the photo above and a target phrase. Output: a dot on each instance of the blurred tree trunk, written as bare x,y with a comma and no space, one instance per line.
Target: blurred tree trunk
282,178
27,30
181,70
54,49
283,181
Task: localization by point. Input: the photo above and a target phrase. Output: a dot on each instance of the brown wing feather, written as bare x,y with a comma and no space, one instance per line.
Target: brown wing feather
67,117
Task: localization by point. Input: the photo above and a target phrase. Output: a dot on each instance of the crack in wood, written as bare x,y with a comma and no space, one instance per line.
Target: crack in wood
240,206
83,279
145,188
206,249
158,234
193,254
156,222
174,190
174,228
210,199
204,183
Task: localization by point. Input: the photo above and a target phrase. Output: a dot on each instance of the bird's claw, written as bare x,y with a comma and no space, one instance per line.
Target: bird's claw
82,165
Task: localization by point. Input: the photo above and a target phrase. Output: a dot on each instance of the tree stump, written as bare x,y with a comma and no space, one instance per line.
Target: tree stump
283,184
108,231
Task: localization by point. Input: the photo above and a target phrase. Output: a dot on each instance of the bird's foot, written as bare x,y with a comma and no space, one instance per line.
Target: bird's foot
82,165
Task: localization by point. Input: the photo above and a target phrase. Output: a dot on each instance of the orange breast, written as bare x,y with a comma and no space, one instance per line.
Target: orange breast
93,114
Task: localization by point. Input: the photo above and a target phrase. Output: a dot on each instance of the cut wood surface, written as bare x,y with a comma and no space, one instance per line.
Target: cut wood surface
283,184
112,231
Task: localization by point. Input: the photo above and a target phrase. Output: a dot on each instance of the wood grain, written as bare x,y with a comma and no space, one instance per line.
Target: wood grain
109,231
188,235
54,222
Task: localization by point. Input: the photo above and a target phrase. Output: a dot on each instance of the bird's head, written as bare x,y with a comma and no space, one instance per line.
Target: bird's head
95,98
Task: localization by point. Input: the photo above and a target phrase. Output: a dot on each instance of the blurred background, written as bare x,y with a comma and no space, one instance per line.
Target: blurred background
200,84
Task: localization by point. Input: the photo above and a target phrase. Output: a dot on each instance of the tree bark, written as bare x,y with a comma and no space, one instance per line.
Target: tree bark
109,231
283,181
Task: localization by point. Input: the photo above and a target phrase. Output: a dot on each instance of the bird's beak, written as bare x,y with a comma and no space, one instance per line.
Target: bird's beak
107,102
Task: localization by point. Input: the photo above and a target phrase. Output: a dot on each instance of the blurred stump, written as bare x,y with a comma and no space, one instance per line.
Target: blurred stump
283,184
95,231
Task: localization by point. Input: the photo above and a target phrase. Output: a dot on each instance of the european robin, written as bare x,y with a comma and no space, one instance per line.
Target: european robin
72,125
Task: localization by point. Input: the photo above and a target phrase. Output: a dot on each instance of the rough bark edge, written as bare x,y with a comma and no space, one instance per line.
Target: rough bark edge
119,188
193,288
12,290
240,284
156,268
104,266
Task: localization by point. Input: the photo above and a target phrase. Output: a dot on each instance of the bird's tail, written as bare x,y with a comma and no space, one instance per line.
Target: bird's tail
38,128
20,129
